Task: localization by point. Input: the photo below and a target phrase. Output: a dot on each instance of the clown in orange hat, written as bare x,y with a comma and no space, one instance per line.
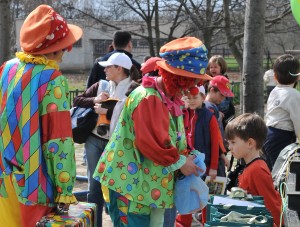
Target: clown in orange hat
37,165
137,168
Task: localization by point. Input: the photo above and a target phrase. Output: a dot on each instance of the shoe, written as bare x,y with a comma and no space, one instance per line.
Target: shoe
197,217
83,163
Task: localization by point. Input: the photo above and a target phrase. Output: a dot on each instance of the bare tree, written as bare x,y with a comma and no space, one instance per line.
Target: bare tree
4,30
252,81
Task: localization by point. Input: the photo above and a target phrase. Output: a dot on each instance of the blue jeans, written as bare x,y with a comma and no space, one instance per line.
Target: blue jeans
94,147
276,141
169,217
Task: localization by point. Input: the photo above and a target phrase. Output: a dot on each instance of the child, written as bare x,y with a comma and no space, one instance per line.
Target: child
246,135
202,137
283,109
218,66
218,89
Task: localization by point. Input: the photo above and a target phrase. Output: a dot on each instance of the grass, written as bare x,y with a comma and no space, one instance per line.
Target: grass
77,81
233,65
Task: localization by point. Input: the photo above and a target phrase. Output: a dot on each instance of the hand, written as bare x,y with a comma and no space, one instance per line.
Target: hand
213,174
101,97
221,114
225,159
190,167
99,109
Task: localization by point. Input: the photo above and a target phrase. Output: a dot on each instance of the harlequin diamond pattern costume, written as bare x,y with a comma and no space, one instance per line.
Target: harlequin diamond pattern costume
31,143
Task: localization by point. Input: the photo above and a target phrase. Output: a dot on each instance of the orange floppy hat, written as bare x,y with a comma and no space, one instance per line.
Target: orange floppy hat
185,57
45,31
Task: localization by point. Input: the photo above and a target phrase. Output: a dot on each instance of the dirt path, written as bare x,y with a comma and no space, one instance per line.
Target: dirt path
82,186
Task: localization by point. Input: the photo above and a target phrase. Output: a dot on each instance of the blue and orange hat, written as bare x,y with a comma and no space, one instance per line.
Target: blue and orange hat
185,57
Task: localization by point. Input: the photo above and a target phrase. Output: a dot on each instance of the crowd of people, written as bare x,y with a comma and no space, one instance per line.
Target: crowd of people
166,111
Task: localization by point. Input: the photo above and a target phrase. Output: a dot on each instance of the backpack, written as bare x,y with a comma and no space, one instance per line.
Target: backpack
83,122
282,164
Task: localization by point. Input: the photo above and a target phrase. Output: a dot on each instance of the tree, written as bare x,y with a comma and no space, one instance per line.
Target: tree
4,30
252,81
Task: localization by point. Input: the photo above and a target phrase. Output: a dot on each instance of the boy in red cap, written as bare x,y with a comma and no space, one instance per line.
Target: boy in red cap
218,89
148,145
204,127
37,165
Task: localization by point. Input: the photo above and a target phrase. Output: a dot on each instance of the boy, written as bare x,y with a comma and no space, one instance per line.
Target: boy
203,135
283,108
245,135
218,89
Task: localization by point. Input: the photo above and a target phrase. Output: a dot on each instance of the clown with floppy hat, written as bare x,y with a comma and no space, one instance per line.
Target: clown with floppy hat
148,145
37,166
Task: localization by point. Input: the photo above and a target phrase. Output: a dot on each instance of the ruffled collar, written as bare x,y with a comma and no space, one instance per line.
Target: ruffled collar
172,105
37,60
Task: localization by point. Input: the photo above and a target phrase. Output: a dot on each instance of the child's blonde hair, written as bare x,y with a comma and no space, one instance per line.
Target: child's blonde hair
218,59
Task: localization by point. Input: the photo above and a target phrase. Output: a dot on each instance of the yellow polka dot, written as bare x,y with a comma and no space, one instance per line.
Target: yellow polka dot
120,153
64,177
57,93
140,197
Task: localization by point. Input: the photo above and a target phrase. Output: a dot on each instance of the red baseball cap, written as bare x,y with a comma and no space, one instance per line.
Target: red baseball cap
223,84
150,65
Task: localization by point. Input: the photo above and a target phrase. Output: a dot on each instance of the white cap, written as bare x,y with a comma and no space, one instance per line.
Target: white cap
201,89
119,59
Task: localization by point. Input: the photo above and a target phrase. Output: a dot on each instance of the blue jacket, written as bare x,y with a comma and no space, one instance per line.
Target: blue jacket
202,135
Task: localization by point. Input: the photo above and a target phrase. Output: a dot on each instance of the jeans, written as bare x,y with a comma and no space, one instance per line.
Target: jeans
276,141
169,217
94,147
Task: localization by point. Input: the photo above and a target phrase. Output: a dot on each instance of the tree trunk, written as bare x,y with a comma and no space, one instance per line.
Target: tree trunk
252,75
157,31
4,31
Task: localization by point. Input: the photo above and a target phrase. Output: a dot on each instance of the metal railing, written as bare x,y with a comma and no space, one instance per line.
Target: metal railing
73,94
235,87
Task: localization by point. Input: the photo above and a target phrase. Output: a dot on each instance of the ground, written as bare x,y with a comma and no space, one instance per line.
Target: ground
82,186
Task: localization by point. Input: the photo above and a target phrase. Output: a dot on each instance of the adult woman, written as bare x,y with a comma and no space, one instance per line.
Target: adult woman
37,165
119,72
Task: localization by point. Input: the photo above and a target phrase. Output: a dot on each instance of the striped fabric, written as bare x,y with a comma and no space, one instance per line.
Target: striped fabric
31,148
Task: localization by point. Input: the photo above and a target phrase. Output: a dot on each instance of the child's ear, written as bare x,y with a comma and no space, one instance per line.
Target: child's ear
252,143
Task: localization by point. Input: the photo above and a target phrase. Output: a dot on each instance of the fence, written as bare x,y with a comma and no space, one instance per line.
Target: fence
73,94
235,87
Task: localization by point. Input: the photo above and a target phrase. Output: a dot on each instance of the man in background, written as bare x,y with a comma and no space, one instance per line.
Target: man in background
122,42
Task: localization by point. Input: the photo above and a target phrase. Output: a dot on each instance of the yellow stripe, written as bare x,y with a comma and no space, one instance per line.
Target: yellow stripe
18,75
26,114
6,136
33,162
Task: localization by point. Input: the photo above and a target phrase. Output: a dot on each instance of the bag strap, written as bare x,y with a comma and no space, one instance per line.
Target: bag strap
73,110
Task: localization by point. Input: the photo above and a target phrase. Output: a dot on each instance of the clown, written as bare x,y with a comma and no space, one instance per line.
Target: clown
148,145
37,162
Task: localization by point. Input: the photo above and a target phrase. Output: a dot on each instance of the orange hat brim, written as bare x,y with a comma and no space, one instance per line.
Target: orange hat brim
181,72
73,36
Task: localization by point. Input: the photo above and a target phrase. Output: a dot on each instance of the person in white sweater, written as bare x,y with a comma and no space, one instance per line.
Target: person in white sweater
283,109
